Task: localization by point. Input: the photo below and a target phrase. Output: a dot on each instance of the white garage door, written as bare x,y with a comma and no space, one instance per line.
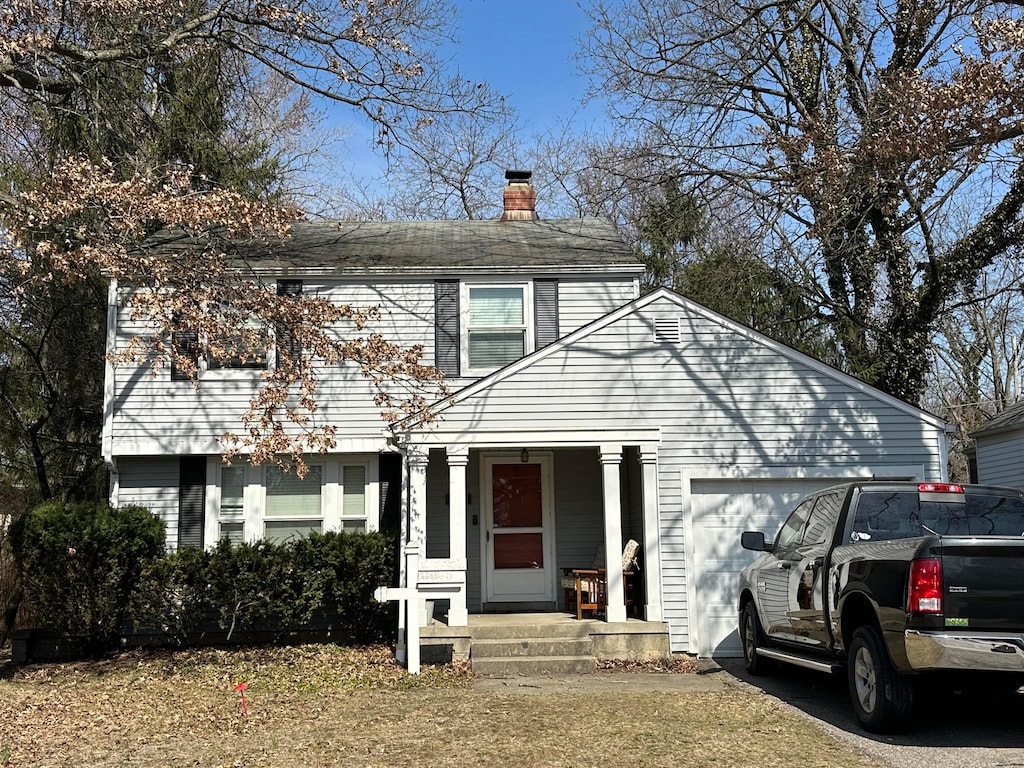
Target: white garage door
722,510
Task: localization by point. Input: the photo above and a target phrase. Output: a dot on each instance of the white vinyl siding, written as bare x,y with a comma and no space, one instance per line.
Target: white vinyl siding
1001,458
583,300
150,482
153,415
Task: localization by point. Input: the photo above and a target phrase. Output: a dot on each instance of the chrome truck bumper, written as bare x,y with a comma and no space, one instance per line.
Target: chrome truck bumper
941,650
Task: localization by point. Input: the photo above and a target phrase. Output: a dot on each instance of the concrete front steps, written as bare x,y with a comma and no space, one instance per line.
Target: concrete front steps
522,650
531,644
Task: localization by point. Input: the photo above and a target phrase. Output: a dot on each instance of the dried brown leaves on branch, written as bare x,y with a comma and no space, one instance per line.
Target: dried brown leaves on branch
95,78
200,303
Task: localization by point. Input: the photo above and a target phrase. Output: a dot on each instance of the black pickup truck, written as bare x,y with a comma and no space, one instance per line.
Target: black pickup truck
898,583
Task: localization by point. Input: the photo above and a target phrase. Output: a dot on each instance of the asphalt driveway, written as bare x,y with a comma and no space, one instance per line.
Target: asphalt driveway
954,730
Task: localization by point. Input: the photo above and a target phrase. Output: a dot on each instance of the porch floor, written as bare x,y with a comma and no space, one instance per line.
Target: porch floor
528,643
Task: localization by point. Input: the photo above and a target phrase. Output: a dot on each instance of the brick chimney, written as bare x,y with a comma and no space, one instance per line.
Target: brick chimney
520,197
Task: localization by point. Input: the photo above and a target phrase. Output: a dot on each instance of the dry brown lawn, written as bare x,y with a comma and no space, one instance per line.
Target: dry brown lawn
324,706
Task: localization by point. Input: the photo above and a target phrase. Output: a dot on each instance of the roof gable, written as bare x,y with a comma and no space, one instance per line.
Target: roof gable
666,295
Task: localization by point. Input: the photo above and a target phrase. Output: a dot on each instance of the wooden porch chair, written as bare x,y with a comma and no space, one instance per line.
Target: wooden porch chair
587,588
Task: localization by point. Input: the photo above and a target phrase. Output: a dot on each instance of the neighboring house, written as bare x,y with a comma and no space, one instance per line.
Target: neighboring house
581,414
999,448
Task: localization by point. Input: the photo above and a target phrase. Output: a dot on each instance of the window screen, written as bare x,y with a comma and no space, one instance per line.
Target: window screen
242,344
497,326
231,524
290,496
293,507
354,495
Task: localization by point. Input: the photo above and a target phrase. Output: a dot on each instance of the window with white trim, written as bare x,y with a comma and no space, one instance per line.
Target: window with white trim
231,517
247,503
353,498
293,506
239,345
498,329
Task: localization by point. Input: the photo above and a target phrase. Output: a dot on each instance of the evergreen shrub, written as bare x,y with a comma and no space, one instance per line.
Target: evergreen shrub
80,565
324,582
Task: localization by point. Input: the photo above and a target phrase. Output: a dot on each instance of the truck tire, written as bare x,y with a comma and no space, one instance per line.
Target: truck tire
882,698
753,638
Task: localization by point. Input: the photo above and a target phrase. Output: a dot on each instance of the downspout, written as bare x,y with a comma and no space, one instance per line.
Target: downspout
949,429
107,435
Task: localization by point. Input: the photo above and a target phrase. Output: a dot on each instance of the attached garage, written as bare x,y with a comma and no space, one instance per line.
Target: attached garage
720,510
696,429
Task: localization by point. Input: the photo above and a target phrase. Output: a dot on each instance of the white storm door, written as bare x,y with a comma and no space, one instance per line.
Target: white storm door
518,539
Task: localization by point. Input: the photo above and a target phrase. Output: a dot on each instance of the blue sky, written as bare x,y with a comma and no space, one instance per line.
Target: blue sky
523,49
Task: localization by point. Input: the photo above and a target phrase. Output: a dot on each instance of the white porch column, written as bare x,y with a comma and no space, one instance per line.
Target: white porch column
458,458
417,459
611,458
652,534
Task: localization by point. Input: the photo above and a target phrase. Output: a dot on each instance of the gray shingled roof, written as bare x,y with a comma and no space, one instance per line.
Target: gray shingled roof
433,247
1011,418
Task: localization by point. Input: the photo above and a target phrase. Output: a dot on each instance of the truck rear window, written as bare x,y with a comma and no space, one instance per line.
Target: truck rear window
903,514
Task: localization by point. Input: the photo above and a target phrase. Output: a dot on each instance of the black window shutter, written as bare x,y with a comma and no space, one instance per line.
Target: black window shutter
186,344
285,336
446,327
191,501
545,311
390,476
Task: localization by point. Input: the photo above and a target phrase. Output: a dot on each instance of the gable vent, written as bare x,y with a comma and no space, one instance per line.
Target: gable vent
666,329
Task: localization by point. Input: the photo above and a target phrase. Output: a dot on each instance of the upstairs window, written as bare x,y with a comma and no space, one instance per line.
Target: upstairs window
497,331
185,344
239,346
479,327
286,338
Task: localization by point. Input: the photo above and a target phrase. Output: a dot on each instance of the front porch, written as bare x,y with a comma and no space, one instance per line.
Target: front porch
521,644
505,521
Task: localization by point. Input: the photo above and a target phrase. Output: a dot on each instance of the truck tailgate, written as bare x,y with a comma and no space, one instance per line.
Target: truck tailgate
983,581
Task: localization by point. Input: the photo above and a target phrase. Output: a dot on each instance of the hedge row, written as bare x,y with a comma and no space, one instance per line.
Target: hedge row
96,574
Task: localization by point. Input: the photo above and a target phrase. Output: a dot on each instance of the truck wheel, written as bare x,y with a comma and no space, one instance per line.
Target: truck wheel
753,638
882,698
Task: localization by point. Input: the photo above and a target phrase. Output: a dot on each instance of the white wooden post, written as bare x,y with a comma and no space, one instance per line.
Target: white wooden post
403,543
458,458
611,458
417,459
652,534
409,598
412,606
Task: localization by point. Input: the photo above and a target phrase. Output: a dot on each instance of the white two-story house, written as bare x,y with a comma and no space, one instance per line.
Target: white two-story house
581,414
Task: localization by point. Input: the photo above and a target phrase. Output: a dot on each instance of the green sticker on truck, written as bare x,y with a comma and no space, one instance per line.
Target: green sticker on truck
954,621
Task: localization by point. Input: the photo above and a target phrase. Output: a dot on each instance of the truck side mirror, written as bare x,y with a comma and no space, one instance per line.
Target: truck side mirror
754,540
